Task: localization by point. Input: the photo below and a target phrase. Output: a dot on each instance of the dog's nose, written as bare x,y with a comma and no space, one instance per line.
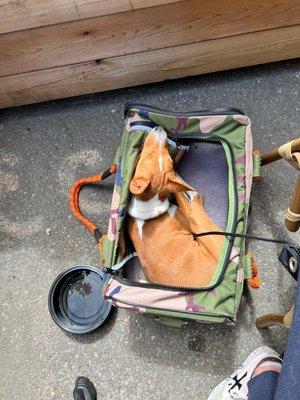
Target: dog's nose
160,134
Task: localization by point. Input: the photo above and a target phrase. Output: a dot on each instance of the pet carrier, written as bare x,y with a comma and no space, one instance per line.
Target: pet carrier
217,159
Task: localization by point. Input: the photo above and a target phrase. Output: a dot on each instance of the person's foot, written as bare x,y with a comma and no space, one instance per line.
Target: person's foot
84,389
236,386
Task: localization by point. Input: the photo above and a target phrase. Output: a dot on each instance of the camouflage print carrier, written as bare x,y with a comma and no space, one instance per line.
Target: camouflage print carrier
219,163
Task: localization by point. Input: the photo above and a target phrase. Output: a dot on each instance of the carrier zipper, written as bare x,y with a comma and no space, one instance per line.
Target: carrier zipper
217,111
130,282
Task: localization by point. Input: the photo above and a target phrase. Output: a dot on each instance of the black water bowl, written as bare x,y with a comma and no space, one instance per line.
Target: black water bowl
76,302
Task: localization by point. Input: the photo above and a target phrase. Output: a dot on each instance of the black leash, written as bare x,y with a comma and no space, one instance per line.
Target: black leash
289,255
244,236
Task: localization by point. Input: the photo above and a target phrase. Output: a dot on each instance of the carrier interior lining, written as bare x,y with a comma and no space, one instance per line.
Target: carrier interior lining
204,167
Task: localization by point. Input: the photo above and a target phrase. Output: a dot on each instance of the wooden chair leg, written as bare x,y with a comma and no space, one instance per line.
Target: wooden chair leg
288,318
275,319
292,219
290,152
269,320
273,155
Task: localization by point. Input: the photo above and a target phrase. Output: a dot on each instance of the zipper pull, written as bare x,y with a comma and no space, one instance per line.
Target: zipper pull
110,271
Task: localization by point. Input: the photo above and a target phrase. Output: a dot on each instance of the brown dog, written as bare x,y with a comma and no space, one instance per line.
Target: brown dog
162,233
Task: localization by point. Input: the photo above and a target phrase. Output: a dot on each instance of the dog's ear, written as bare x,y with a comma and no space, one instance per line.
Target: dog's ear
139,185
176,184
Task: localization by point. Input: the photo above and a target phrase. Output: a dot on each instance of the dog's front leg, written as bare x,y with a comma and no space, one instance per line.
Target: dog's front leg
191,204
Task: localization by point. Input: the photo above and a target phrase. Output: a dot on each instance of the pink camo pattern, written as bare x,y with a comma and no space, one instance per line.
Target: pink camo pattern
112,224
242,119
207,124
127,306
143,297
235,254
240,275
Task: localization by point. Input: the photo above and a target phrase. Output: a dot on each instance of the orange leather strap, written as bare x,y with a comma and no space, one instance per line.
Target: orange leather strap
74,199
255,281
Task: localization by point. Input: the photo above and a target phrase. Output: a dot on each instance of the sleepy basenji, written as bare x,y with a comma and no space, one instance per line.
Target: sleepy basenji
163,233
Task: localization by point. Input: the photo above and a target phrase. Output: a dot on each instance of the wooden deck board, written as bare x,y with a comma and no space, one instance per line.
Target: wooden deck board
151,66
137,31
60,48
26,14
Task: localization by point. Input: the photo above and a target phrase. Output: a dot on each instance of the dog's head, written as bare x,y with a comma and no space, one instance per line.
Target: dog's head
154,173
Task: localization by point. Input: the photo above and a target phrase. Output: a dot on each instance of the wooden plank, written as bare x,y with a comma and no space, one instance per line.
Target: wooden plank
93,8
152,66
140,30
136,4
25,14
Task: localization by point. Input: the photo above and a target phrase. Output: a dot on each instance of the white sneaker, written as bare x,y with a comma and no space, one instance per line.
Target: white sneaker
236,386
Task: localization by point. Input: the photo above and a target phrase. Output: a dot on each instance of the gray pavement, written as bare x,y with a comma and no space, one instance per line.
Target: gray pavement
44,148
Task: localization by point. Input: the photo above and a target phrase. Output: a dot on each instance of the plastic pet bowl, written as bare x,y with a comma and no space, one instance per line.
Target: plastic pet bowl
76,302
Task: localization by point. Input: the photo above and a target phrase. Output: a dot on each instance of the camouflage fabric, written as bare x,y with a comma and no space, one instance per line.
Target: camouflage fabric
219,302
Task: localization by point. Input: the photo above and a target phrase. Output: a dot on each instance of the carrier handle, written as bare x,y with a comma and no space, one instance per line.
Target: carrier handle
74,199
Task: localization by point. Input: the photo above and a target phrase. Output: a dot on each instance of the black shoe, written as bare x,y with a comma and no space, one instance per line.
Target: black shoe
84,389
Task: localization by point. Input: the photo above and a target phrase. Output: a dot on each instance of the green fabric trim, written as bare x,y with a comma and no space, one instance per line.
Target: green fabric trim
129,150
103,253
230,216
240,285
189,316
117,156
257,165
169,321
132,150
248,266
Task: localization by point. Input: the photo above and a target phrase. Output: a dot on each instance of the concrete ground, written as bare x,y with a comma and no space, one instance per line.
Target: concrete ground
44,148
